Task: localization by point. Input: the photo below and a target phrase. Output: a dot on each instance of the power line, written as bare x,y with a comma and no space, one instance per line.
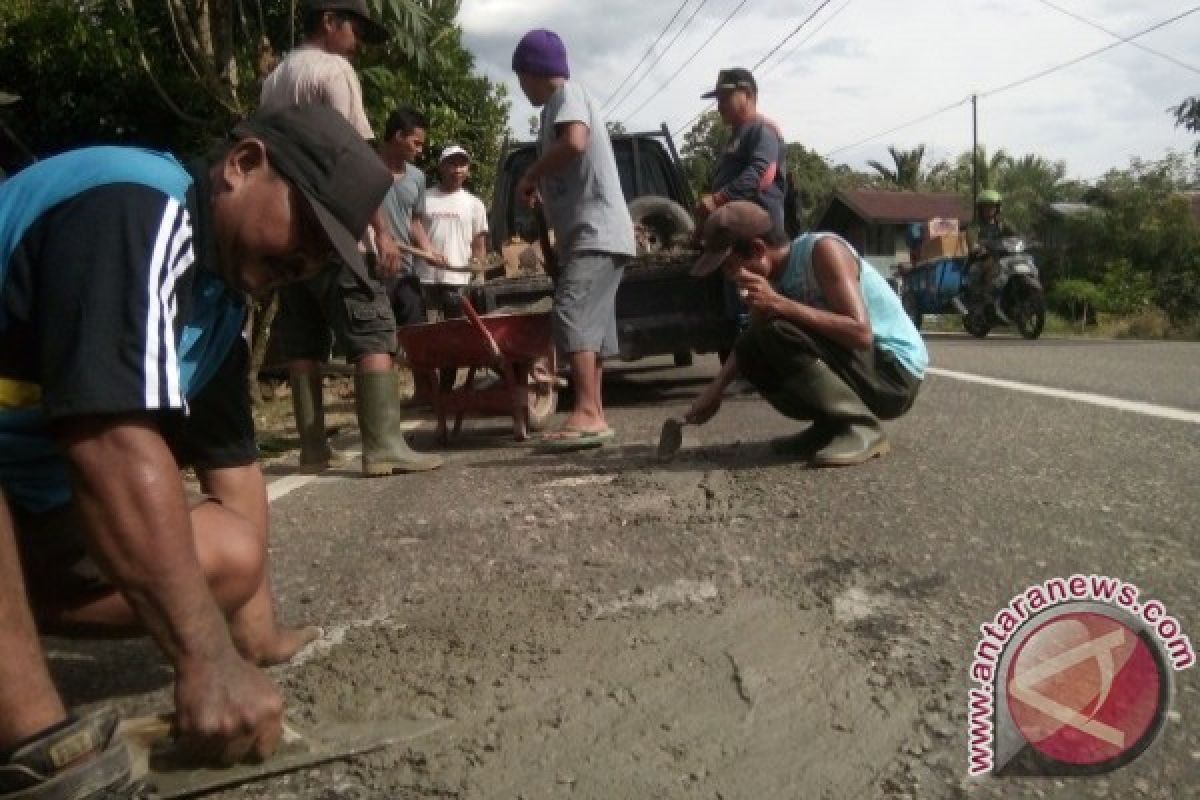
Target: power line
649,50
900,127
658,58
1124,39
808,38
773,50
690,58
788,38
1088,55
1019,82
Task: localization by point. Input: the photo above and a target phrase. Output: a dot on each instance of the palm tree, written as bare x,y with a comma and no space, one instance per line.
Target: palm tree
907,174
988,170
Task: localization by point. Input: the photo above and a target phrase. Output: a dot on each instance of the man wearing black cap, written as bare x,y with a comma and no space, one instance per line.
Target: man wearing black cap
752,166
356,307
828,343
121,357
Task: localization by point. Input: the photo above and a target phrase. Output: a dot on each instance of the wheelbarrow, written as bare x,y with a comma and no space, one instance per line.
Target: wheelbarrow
519,347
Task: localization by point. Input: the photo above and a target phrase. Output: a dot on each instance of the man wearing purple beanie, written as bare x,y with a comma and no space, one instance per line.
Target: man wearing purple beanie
575,177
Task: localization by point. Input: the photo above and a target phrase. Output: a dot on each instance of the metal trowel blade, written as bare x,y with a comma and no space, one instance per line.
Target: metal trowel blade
670,439
176,779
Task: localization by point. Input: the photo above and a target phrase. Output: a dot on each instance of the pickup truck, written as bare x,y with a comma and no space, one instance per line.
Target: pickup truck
660,308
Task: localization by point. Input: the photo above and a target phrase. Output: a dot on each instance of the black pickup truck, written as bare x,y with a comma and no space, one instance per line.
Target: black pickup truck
661,309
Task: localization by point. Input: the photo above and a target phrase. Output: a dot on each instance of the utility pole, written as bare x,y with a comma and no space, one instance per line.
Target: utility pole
974,156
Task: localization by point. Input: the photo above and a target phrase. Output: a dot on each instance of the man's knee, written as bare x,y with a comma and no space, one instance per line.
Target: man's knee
232,553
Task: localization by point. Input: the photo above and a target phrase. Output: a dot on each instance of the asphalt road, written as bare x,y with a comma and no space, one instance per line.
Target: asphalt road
730,625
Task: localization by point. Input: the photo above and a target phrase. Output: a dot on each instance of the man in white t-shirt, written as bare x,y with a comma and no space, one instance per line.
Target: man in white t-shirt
456,222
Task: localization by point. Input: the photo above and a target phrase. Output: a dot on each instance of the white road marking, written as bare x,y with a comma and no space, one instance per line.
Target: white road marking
1132,406
290,483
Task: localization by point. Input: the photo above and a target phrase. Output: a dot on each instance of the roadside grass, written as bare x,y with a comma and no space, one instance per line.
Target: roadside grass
1151,324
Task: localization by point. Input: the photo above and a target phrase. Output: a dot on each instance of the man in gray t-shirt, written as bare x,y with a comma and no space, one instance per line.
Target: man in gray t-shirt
576,177
403,142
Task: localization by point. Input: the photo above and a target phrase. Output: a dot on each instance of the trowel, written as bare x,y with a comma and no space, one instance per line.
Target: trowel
670,439
161,763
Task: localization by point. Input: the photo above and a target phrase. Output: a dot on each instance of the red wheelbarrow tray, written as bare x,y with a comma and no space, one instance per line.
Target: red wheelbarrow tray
519,346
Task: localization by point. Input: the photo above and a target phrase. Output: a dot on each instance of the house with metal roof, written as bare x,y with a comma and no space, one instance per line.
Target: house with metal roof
875,220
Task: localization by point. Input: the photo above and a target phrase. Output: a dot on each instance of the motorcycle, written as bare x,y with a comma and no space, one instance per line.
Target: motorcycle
1012,295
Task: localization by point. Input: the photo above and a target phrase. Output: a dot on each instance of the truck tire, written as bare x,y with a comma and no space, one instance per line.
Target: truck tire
683,358
662,221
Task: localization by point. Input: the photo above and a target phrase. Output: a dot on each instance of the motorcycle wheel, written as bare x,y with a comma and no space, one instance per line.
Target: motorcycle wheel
977,325
1030,315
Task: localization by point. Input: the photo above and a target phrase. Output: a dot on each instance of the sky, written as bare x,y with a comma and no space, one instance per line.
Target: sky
862,67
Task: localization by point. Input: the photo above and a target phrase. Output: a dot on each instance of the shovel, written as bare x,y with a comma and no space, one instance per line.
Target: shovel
151,740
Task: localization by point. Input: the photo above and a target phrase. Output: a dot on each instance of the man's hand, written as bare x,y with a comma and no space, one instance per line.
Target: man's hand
389,254
758,294
227,710
704,407
527,188
439,259
705,206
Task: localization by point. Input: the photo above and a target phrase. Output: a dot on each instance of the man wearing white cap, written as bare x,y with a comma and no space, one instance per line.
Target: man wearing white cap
456,222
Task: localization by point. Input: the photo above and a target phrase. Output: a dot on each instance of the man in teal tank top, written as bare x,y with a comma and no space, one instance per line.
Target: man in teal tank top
828,341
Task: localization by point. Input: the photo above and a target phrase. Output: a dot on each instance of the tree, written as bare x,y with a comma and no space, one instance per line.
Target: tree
1187,115
702,148
907,174
1028,185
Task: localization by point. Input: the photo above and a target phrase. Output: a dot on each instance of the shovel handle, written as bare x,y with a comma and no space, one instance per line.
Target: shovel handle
549,256
488,340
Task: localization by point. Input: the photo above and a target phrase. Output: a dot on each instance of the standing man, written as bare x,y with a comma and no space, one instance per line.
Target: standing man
356,307
828,342
575,177
121,282
751,168
403,143
458,229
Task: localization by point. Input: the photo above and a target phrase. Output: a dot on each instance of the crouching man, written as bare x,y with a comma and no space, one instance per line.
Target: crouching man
828,342
122,275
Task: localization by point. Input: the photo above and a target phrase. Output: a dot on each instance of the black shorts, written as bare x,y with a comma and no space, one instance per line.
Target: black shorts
335,303
219,428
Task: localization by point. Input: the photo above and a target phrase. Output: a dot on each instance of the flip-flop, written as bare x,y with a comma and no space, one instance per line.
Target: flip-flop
567,440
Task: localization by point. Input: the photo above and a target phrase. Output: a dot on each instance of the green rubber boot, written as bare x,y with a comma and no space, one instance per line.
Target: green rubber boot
857,435
309,407
384,448
809,440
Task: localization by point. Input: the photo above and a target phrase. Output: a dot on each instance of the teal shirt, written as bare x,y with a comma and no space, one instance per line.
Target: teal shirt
891,327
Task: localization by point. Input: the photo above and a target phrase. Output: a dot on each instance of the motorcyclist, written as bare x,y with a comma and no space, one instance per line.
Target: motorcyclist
989,225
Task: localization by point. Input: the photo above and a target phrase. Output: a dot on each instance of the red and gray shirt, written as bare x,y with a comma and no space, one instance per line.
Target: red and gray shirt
752,168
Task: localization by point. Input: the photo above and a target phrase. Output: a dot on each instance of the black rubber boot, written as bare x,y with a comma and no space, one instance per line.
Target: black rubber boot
809,440
84,760
384,448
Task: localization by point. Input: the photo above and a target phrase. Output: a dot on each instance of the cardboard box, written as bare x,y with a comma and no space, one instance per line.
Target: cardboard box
953,246
940,226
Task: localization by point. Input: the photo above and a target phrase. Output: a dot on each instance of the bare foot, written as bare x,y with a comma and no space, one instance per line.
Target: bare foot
277,648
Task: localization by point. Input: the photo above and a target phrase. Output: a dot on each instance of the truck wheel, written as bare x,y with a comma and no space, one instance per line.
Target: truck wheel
683,358
659,221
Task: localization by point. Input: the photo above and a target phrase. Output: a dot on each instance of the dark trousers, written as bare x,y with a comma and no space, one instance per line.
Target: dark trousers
773,354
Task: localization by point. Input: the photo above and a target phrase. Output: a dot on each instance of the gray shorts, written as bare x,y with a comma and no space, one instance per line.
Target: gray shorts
585,294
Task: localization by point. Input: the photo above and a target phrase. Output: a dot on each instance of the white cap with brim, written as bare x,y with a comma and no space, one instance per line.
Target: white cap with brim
452,151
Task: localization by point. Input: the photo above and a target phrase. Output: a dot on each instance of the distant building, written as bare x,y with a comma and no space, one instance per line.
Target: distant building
875,220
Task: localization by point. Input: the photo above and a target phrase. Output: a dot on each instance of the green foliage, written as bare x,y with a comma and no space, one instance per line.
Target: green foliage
701,150
907,174
1187,115
464,107
121,71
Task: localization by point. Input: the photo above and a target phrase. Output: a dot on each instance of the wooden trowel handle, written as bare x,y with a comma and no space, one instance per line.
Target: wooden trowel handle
155,729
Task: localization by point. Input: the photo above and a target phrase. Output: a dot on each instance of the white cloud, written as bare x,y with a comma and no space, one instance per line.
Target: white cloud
877,65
